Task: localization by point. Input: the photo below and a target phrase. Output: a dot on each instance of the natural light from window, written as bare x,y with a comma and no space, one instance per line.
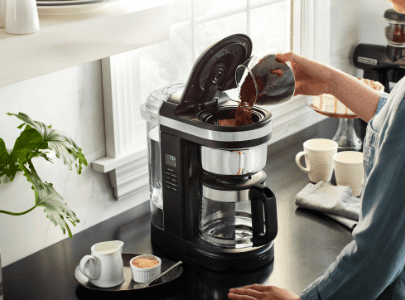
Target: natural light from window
196,24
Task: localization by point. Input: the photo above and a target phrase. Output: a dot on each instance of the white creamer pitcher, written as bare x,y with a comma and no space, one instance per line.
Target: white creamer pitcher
104,267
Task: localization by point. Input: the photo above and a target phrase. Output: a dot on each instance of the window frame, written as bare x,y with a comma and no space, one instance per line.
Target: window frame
126,148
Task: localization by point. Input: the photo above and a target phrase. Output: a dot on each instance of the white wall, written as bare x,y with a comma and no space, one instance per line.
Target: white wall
354,22
70,100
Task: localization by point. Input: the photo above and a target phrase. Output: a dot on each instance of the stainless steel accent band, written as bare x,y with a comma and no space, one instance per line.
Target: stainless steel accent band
218,135
234,162
225,196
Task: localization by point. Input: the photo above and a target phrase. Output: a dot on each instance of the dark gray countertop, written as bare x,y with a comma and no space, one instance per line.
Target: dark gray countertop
306,244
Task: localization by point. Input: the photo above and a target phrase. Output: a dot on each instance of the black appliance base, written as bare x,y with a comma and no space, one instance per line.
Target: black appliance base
198,252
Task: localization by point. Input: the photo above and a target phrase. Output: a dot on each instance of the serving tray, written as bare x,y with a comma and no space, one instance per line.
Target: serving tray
129,282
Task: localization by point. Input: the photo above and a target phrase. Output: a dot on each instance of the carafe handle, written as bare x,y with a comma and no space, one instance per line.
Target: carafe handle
261,194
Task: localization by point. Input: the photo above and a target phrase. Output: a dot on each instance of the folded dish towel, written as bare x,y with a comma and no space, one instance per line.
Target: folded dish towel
337,202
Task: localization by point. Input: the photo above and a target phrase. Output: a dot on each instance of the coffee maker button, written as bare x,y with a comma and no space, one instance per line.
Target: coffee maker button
172,188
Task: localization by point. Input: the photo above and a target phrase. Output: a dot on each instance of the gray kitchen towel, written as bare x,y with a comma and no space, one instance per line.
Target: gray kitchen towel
337,202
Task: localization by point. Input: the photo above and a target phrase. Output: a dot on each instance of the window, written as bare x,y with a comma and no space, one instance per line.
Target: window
196,24
128,79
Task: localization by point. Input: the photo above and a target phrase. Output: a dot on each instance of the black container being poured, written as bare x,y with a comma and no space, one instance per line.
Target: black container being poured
274,81
261,80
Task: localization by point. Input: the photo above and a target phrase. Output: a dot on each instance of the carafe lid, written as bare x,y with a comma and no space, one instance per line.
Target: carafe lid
214,70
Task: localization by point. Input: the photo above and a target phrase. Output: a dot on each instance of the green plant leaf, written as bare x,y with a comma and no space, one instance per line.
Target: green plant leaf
8,167
64,147
26,146
46,196
28,141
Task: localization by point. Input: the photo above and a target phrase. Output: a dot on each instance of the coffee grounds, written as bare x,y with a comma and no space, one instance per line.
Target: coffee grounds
247,97
227,122
277,72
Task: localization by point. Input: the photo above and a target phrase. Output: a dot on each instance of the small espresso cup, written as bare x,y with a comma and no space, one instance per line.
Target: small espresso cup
318,158
349,170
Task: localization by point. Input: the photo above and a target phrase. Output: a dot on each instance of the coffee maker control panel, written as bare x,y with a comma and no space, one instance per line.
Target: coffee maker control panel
170,173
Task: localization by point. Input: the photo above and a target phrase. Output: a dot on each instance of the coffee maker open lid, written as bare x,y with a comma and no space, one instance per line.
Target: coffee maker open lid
214,70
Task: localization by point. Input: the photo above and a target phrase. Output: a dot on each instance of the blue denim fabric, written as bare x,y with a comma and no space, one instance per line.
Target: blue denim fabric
376,256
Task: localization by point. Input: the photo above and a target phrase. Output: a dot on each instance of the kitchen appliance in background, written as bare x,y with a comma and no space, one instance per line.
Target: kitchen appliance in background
383,63
209,201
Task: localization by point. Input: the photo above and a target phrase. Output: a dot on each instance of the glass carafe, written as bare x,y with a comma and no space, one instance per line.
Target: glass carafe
238,218
226,224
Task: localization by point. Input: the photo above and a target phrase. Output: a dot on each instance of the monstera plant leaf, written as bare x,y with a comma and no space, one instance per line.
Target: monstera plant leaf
8,167
64,147
34,141
46,196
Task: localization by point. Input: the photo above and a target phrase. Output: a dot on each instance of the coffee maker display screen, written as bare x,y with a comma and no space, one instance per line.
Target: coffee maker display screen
170,160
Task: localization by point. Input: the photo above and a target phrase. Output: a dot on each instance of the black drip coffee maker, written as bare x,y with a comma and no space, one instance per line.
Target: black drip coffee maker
209,201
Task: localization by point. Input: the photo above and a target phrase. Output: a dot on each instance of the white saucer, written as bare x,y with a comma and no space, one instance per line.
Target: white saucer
69,7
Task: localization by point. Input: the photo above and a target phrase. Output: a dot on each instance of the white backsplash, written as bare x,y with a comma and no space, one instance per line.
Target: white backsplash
353,23
70,100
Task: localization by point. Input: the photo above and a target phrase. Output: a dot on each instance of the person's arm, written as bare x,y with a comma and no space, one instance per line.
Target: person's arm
354,94
376,256
316,78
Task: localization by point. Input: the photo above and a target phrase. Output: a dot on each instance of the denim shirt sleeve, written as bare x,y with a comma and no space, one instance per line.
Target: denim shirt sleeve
376,256
381,102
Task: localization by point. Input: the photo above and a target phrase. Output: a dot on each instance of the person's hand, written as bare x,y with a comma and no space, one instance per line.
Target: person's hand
262,292
311,77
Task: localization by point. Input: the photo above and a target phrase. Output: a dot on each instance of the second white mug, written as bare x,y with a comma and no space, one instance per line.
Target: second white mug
349,170
318,158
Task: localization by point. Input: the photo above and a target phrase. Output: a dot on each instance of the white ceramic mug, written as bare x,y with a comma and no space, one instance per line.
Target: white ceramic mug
2,13
349,170
318,158
22,17
104,267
